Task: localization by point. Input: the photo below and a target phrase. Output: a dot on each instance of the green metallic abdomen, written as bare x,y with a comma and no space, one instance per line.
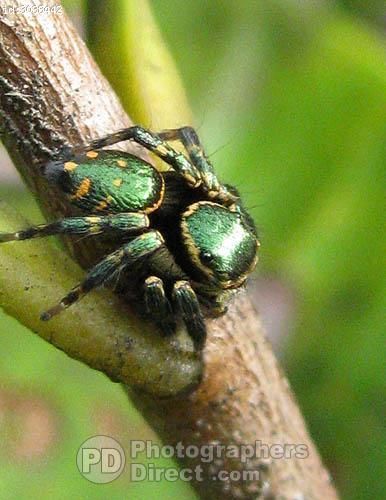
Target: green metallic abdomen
113,182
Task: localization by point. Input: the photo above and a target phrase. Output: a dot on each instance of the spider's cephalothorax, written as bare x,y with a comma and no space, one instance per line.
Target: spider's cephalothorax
182,238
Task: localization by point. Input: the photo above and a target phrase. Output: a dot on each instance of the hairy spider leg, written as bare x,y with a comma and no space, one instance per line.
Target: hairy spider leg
188,137
158,306
123,223
188,304
141,247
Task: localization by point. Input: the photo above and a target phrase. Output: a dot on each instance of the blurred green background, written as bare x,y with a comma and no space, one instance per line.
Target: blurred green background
290,101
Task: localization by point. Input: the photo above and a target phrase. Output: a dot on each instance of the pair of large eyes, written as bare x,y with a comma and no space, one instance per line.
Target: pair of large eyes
206,257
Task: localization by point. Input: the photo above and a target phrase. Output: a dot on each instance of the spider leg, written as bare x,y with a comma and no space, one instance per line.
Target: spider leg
188,304
124,223
139,248
158,306
151,142
189,138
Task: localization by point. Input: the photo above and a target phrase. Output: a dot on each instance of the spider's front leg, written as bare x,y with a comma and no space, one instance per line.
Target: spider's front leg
158,306
189,138
185,299
190,309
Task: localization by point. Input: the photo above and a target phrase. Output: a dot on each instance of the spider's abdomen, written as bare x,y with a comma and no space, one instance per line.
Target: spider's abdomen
110,182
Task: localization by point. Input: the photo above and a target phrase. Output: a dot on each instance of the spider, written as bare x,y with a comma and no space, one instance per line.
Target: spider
182,238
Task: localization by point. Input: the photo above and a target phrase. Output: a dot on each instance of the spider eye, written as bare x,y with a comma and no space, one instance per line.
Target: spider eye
206,257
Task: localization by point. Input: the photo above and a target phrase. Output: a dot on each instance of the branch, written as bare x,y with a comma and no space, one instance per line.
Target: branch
244,398
53,94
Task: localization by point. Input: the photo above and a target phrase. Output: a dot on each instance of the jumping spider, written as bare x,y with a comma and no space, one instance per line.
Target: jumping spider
182,236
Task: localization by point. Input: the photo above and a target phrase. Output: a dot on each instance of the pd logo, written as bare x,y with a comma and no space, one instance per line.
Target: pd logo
101,459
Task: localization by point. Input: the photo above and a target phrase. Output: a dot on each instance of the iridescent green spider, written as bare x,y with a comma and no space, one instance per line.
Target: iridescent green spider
182,238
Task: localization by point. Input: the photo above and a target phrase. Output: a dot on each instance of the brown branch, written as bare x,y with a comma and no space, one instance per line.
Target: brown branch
244,398
53,94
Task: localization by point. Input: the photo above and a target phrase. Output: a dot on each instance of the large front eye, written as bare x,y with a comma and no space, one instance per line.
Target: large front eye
206,257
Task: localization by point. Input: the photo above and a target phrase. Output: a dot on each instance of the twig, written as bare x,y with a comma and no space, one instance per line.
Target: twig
53,94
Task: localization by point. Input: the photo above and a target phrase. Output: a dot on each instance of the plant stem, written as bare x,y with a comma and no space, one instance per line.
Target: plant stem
52,94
